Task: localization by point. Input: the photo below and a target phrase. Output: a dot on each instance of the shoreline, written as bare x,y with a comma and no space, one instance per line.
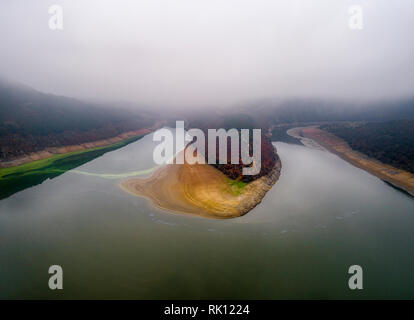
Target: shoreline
398,178
201,190
18,178
50,152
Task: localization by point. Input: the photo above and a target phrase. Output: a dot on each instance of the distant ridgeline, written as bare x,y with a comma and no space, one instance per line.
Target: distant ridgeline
271,112
390,142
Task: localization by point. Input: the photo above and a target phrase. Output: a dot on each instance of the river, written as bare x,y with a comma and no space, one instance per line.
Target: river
321,217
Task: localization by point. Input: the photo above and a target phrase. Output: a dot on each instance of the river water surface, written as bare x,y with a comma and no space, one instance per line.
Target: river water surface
322,216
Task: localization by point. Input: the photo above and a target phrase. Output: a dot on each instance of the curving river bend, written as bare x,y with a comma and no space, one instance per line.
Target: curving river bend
322,216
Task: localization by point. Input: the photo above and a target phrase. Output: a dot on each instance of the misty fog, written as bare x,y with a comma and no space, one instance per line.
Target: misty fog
198,53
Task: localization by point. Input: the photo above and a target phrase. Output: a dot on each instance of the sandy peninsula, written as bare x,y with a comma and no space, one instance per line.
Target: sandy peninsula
200,189
399,178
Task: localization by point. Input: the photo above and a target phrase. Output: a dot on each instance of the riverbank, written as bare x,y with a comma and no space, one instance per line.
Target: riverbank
399,178
202,190
53,151
20,177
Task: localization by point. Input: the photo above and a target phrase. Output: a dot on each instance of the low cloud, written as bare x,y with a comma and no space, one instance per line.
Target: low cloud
197,53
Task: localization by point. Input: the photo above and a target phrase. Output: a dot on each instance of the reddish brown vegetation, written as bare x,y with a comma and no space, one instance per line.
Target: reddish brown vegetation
235,171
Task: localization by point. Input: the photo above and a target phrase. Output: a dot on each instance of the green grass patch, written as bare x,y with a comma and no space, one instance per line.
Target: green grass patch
236,186
18,178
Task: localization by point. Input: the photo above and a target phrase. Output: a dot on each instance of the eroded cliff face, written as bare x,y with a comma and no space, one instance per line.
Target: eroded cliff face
255,191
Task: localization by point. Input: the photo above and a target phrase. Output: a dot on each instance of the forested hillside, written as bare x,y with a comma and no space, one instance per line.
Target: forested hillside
31,121
390,142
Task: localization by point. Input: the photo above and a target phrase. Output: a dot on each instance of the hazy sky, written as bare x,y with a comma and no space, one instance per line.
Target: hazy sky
209,52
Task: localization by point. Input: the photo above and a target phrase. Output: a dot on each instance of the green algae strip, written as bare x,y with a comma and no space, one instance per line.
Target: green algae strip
14,179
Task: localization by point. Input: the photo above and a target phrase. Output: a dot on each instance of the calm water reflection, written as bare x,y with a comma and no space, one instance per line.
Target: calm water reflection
322,216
